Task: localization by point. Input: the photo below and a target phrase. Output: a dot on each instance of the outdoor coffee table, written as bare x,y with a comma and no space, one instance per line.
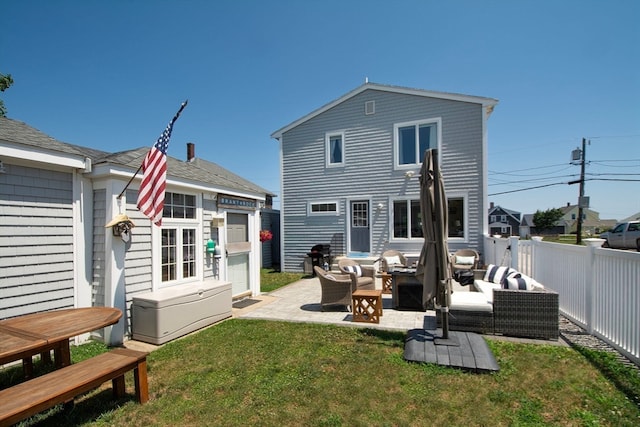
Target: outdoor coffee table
367,305
24,336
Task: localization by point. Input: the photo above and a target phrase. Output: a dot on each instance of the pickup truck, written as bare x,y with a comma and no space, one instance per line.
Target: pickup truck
625,235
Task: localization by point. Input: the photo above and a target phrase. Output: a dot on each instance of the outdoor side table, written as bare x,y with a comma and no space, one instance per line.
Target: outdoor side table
387,283
367,305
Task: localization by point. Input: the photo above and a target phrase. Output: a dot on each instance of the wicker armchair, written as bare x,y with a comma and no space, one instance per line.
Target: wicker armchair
336,288
366,280
465,253
390,254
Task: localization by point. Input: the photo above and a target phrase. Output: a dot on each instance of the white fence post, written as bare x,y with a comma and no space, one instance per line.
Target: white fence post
513,244
590,281
535,247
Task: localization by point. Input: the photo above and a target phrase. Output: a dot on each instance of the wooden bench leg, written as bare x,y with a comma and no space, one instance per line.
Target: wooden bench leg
118,386
27,367
140,379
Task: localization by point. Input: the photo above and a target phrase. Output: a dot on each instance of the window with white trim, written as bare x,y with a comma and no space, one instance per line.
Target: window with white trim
334,143
178,238
412,139
457,218
323,208
407,218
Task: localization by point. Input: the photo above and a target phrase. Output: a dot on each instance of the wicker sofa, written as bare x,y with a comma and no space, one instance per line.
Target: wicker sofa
531,311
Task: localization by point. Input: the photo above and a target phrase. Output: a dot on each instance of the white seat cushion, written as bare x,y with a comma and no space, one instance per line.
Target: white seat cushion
470,301
486,288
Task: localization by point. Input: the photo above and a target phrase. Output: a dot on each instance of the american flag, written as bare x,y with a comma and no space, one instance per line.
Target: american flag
154,180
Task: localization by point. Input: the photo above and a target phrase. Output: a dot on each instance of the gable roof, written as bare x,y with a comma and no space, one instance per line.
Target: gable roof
202,171
488,103
505,210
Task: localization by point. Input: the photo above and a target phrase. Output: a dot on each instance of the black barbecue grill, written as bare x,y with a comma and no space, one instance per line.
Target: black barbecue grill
319,254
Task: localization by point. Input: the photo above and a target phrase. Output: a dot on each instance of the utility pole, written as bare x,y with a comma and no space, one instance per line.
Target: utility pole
581,198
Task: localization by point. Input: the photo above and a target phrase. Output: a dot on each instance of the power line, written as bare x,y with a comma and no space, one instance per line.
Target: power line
560,183
525,189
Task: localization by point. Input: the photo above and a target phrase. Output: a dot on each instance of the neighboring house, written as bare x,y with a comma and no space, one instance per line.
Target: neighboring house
527,227
592,224
55,252
350,171
504,222
634,217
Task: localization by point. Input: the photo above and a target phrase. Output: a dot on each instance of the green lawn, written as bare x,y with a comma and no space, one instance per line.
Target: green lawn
262,373
254,372
270,279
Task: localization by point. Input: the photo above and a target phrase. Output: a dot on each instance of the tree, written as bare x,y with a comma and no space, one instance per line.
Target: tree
545,220
5,82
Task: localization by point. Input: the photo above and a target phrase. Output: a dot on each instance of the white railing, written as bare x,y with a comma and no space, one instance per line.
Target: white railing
599,289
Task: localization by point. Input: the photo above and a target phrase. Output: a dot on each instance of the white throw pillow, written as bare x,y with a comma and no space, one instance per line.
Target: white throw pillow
392,260
465,260
354,269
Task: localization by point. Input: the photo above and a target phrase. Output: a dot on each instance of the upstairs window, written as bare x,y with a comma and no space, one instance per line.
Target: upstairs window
334,143
413,139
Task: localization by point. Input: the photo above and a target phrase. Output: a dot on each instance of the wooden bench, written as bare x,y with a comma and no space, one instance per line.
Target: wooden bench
61,386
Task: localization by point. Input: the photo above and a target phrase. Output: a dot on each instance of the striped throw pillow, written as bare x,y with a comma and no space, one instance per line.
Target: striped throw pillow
518,282
354,269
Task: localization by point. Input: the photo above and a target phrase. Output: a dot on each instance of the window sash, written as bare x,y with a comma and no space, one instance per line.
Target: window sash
177,205
178,249
323,208
334,146
407,220
413,139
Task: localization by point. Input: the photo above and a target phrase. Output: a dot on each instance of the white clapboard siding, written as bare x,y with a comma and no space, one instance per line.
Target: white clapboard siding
369,172
36,241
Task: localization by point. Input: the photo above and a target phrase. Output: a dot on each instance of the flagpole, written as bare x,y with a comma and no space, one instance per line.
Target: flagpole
184,104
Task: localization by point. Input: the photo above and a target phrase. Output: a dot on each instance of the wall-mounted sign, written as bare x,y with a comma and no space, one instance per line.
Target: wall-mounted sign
236,202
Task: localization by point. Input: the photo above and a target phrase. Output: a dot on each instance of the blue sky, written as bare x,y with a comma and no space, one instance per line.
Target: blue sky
110,75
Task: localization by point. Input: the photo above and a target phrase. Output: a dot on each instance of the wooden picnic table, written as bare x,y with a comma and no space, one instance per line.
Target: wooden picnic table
24,336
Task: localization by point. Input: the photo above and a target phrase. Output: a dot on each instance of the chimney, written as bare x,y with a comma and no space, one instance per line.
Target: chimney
191,151
568,204
490,205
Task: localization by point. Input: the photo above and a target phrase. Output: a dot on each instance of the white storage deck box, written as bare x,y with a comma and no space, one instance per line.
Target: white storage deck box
169,313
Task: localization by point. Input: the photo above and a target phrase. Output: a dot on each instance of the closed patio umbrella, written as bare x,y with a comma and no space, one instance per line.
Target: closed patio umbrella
434,265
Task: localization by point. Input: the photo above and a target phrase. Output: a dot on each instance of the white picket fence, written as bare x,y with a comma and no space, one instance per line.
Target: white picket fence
599,288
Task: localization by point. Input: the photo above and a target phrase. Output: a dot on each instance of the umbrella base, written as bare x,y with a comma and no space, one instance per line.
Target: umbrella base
473,354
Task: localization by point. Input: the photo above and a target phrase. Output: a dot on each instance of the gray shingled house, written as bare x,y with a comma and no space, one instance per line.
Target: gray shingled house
55,252
350,171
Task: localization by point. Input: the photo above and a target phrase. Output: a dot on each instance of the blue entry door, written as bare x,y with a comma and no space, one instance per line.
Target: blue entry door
360,239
